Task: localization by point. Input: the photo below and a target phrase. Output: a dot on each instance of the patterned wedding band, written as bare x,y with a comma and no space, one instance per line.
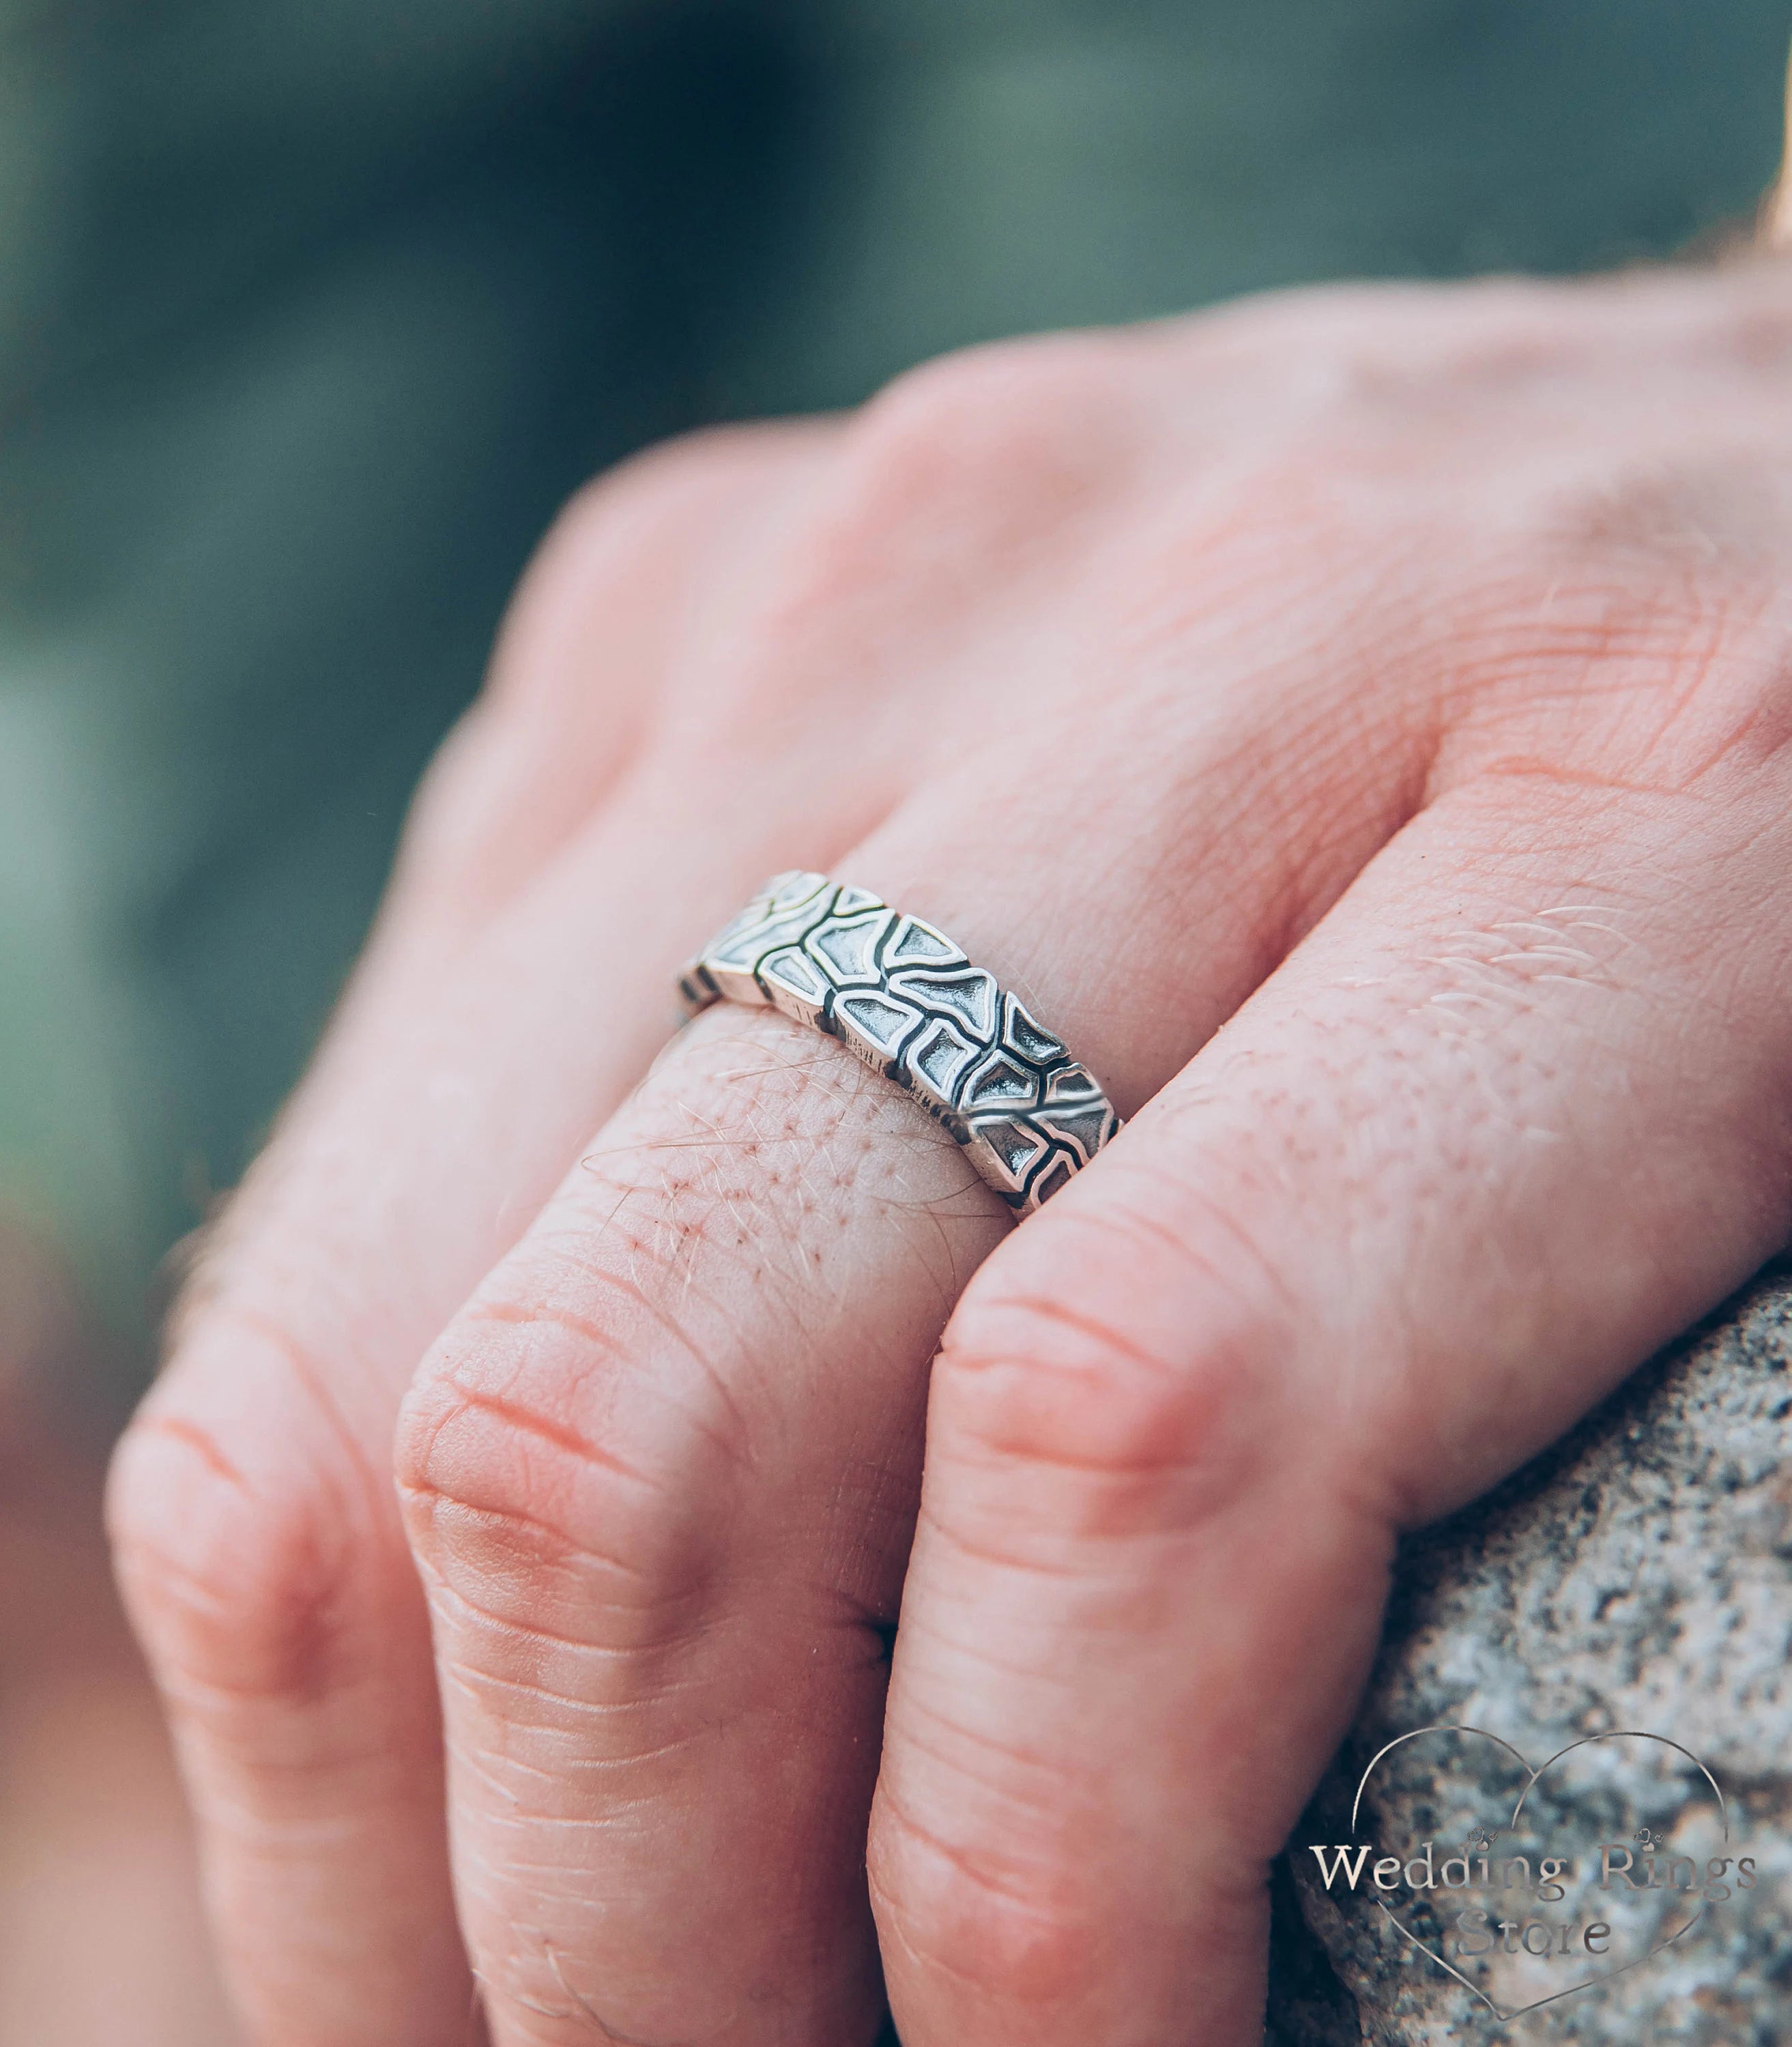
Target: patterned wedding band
903,998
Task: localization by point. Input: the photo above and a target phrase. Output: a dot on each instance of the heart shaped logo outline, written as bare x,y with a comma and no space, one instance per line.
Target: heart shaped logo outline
1501,2015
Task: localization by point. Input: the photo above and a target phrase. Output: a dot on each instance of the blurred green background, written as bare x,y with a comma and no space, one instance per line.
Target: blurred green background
312,310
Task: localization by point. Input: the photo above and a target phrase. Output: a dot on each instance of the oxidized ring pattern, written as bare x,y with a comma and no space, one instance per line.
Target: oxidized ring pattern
908,1003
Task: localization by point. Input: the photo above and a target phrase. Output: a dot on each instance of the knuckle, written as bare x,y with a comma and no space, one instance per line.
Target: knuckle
1633,629
962,472
550,1492
579,1460
245,1542
1375,337
634,526
1661,534
1021,1928
1321,351
996,415
1325,344
579,680
1519,641
975,449
1140,1398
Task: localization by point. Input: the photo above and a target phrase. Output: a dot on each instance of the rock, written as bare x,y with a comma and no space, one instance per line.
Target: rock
1637,1577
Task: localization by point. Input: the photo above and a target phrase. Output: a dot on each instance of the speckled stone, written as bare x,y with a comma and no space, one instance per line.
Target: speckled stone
1638,1576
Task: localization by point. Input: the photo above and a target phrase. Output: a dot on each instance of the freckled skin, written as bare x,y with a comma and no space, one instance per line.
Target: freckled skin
1355,721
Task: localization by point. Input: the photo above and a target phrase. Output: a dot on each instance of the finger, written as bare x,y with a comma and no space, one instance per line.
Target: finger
1515,1113
660,1473
258,1539
646,1666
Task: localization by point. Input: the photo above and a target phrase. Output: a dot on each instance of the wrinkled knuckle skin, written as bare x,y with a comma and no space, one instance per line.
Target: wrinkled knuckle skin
1621,638
1018,1936
1145,1429
550,1529
242,1536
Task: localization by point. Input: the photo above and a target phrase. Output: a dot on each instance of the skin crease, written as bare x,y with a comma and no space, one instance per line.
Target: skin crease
1356,721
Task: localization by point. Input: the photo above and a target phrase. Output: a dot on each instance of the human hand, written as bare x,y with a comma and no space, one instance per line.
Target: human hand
1355,723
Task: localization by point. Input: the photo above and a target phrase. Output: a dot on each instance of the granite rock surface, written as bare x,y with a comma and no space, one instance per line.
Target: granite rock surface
1638,1577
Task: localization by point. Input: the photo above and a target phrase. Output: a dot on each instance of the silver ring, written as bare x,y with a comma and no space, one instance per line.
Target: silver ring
908,1003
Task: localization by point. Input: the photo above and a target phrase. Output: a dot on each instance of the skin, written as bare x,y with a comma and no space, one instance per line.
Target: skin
1357,722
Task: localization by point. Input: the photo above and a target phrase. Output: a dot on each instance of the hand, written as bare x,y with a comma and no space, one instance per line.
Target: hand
1357,722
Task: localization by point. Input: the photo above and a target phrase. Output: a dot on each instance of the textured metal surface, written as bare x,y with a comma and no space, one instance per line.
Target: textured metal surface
907,1001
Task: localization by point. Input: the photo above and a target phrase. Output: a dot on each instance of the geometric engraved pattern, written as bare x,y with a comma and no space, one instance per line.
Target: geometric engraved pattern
903,997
